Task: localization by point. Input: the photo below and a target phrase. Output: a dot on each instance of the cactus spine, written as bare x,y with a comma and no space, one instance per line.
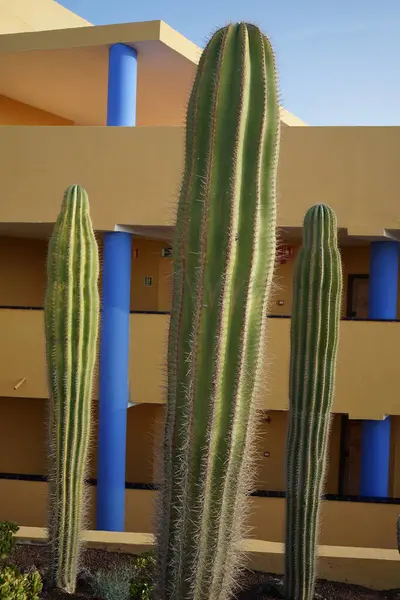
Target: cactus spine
224,257
71,328
317,293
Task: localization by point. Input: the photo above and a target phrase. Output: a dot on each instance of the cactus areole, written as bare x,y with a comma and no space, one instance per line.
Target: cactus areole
224,256
317,294
71,328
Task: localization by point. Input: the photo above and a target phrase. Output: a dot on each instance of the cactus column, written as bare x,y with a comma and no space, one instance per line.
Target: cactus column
317,293
382,305
224,256
71,328
114,351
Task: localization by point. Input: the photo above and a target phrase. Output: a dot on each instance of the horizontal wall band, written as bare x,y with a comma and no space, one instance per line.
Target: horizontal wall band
132,312
93,482
167,312
254,494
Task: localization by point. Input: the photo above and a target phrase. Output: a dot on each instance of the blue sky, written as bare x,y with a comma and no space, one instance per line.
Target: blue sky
338,60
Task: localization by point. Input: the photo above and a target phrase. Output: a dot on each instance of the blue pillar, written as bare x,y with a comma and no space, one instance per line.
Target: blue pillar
122,80
383,280
114,343
382,304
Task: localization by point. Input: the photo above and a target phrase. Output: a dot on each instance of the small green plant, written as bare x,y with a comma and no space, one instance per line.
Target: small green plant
113,584
142,584
130,582
7,540
19,586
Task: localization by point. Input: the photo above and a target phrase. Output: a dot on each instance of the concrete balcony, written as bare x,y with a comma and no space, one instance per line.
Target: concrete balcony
133,175
22,355
368,370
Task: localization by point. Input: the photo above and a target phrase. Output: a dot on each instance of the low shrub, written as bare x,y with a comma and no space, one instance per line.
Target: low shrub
113,584
142,584
7,540
17,586
130,582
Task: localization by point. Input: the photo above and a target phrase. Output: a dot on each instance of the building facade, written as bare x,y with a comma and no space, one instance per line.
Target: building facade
104,107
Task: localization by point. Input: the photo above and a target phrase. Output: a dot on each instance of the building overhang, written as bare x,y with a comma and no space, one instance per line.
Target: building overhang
65,72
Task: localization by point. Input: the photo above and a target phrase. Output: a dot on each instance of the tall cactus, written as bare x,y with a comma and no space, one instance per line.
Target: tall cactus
317,293
71,328
224,257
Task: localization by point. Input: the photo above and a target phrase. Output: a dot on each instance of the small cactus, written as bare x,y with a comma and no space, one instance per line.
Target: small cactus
317,293
71,329
224,256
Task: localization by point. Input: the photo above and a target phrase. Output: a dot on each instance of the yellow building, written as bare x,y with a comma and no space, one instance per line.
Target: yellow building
58,75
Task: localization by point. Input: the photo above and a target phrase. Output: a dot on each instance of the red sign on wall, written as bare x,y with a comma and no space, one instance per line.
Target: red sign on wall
284,253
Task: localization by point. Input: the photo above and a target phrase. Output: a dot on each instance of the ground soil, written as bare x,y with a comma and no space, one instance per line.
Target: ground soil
255,586
263,586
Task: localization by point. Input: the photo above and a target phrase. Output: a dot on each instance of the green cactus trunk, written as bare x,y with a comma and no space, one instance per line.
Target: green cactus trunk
317,294
71,328
224,256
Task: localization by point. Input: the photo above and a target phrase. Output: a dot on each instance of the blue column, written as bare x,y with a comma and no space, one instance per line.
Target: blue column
383,280
122,81
114,342
382,304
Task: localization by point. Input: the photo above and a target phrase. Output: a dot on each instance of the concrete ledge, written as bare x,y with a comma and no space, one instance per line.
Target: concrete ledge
371,567
129,543
374,568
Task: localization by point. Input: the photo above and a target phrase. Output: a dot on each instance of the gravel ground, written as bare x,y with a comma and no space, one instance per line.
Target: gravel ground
255,586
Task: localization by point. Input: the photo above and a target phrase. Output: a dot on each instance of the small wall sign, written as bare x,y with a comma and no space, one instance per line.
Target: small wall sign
148,281
166,252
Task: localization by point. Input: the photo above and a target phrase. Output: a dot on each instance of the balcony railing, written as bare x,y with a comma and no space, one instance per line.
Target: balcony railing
368,374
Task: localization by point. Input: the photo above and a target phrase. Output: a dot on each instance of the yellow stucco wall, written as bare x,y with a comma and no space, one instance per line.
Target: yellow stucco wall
140,169
22,267
13,112
348,524
367,372
23,427
367,364
270,470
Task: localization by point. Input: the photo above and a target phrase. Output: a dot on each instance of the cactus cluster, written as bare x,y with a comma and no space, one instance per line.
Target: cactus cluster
317,292
71,330
224,256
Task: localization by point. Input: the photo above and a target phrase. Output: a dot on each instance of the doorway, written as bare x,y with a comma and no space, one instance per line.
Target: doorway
357,297
350,457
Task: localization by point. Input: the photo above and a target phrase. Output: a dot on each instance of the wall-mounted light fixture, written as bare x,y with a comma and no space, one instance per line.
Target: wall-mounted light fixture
20,382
